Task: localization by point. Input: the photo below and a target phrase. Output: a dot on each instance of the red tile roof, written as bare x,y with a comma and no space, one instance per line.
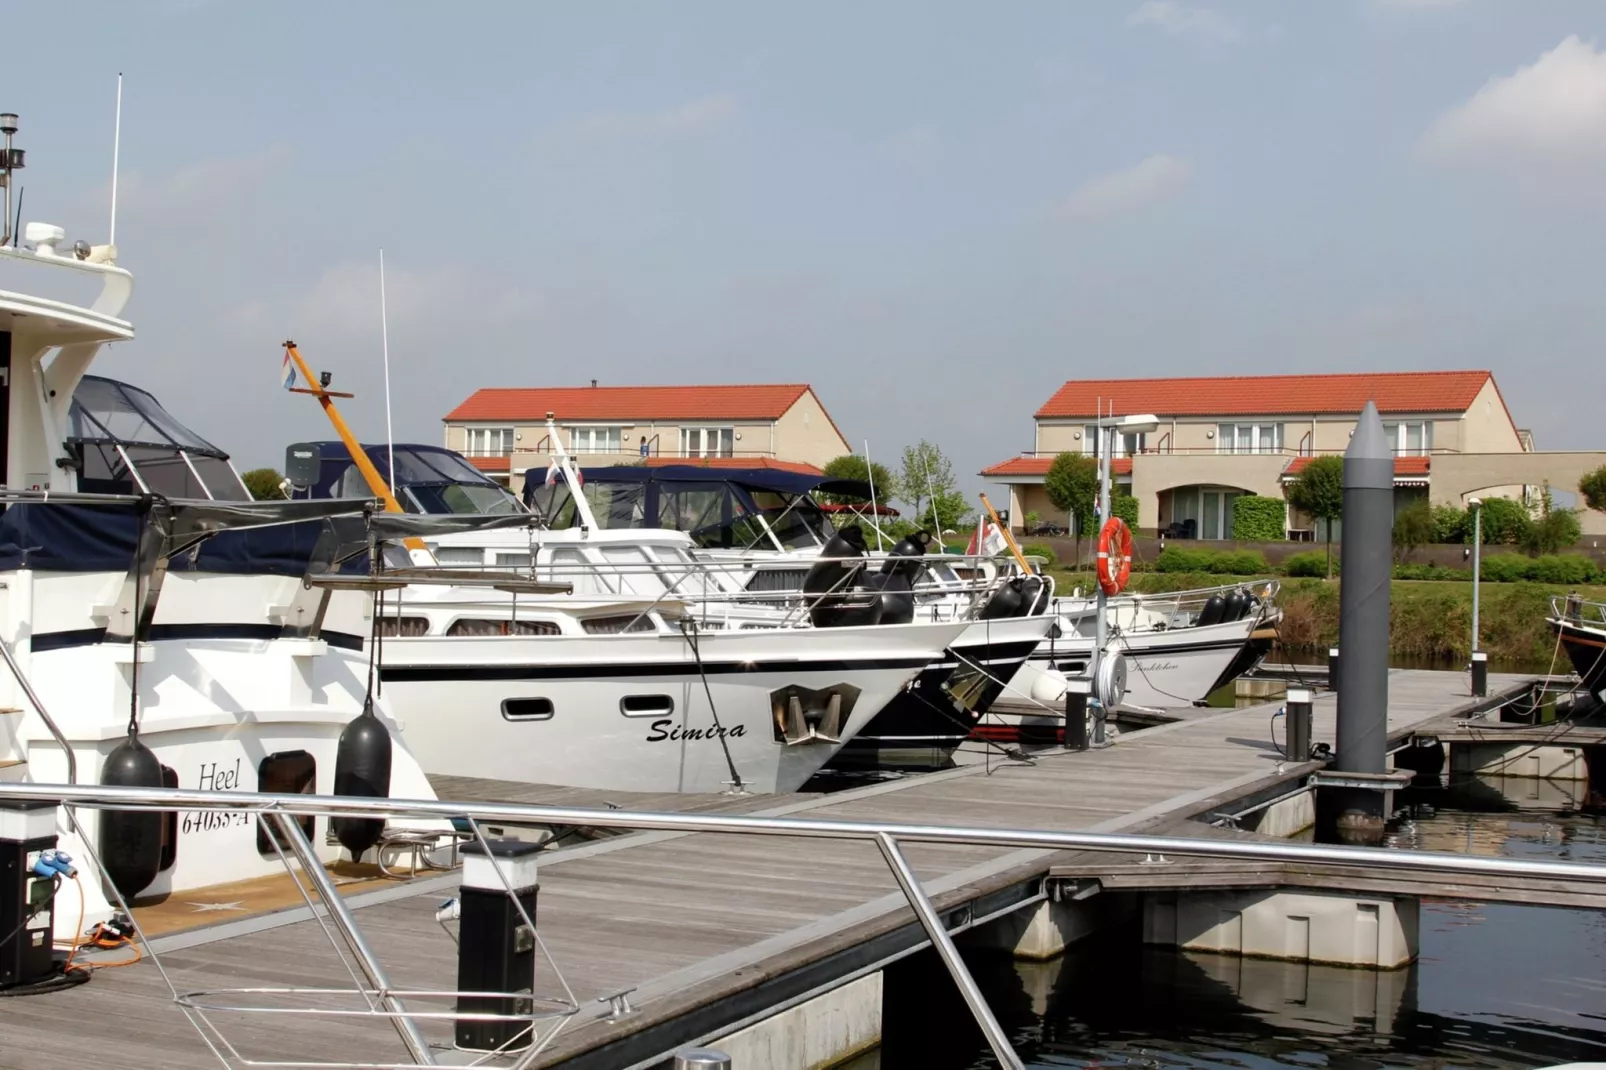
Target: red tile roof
571,403
491,464
1403,466
1038,466
1254,395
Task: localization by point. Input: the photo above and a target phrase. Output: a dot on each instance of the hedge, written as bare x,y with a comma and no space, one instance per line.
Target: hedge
1312,563
1122,505
1217,562
1550,568
1257,518
1037,549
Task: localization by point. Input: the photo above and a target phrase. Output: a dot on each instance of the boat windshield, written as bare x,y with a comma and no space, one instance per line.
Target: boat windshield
123,442
796,520
427,481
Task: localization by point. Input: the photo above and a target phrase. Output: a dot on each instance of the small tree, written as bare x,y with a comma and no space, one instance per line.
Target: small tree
263,483
1552,530
1318,492
1413,527
1593,489
1449,524
1072,484
852,466
1504,522
1256,518
927,484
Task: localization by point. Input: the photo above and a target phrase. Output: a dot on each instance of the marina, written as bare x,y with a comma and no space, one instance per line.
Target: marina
710,933
592,700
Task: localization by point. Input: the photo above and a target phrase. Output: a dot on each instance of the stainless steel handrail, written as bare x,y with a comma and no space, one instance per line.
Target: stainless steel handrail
886,835
39,707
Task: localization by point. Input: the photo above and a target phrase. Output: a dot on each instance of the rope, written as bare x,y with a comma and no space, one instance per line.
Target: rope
688,628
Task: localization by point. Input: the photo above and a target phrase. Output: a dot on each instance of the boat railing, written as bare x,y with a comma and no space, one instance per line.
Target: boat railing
547,1010
1575,609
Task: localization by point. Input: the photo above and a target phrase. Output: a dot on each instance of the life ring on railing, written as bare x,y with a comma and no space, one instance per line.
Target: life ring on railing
1115,555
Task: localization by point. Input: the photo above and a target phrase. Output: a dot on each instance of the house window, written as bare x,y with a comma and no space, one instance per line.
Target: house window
593,440
708,441
1126,443
1412,438
489,441
1249,438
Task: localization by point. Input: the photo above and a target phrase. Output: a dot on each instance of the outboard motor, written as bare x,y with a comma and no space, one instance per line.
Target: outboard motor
844,604
1236,605
896,579
131,840
1215,608
362,769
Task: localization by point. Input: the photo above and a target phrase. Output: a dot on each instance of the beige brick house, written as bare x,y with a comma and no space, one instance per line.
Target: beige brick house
1222,437
503,431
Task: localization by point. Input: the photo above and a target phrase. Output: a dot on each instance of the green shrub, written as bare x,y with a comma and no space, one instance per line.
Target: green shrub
1176,559
1413,527
1312,563
1126,507
1559,569
1037,549
1431,572
1450,524
1504,568
1241,563
1257,518
1505,522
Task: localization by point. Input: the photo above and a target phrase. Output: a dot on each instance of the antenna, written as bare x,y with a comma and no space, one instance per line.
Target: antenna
117,142
384,344
875,514
10,163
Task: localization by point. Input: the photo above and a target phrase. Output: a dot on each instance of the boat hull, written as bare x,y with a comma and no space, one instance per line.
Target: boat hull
1586,649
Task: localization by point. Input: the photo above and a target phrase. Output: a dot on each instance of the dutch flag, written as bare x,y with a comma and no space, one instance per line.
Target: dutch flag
287,372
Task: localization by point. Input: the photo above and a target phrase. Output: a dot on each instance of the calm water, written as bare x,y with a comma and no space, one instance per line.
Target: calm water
1496,986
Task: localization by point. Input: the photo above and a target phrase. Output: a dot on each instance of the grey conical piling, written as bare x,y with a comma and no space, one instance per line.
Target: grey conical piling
1363,627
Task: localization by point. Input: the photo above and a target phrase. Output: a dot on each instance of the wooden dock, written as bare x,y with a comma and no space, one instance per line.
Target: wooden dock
709,930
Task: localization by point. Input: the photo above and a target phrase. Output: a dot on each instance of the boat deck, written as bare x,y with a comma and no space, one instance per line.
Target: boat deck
709,929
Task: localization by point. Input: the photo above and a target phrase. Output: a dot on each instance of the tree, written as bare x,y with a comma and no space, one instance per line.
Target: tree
1593,489
1504,522
1413,527
1552,530
1072,484
928,486
263,483
852,466
1318,492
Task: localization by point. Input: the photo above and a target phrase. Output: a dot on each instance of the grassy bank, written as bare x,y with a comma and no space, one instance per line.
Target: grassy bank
1429,620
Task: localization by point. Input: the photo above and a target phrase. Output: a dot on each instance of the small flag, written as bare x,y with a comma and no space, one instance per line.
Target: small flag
287,372
986,541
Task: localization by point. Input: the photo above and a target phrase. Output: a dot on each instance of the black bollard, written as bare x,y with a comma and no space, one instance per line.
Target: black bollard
1298,704
1480,674
496,950
1332,668
1366,565
1076,692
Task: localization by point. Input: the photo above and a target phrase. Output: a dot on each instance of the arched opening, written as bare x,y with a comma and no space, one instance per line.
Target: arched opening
1198,511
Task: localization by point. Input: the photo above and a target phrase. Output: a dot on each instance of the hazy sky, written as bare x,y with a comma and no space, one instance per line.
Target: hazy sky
933,212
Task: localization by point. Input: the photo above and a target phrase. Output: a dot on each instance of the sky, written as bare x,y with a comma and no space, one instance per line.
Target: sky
934,213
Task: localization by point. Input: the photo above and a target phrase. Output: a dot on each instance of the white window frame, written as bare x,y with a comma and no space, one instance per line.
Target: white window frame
583,438
1126,442
1247,438
476,441
701,434
1399,433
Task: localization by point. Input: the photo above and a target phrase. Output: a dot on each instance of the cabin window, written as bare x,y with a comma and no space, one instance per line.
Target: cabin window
165,471
567,565
489,441
481,628
169,825
460,556
527,709
708,442
286,773
518,560
618,624
405,628
647,706
594,439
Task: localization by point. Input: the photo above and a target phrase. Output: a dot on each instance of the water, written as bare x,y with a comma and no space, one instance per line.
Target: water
1495,986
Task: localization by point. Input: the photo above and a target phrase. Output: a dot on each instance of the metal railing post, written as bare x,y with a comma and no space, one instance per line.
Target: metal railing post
341,913
943,944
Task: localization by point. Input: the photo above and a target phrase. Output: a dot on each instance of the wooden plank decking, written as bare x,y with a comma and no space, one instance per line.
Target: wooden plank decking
707,928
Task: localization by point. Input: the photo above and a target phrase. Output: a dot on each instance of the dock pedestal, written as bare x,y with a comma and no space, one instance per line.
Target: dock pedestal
496,949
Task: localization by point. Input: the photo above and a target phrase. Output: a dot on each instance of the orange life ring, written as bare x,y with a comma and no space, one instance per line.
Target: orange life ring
1115,555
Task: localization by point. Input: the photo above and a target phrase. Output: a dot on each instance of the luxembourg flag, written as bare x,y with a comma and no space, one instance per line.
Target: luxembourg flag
287,373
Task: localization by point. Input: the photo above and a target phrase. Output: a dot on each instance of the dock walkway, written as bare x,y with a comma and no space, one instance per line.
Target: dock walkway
710,930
